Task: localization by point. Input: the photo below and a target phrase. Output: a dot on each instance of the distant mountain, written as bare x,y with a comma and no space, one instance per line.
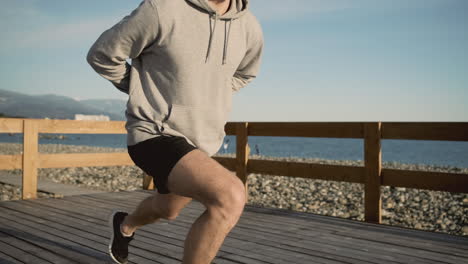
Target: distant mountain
57,106
114,106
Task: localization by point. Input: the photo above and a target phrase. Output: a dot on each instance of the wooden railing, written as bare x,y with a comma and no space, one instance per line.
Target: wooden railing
372,175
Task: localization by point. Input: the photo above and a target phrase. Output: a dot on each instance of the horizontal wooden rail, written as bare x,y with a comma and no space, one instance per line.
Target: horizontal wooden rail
307,129
15,125
307,170
11,125
11,162
82,127
84,160
228,163
447,131
429,180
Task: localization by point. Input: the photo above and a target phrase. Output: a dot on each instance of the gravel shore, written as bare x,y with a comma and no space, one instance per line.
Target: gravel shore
419,209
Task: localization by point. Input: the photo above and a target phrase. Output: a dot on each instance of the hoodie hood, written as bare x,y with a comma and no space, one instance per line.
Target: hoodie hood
237,8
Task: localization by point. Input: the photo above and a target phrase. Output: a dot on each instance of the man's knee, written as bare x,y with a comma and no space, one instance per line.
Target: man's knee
171,215
230,203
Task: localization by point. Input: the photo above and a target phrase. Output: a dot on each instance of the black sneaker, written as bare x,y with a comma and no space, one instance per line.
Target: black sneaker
118,244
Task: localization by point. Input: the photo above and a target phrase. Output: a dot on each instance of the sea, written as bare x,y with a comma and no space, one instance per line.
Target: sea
435,153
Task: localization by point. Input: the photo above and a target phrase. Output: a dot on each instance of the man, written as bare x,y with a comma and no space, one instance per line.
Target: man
188,58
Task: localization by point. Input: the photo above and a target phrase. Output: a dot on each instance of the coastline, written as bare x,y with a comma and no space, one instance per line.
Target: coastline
413,208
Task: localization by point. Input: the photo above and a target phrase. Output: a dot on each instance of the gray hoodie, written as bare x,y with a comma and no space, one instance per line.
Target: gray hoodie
187,61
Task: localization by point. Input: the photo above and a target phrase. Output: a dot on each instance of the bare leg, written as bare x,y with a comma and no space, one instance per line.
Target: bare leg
202,178
152,209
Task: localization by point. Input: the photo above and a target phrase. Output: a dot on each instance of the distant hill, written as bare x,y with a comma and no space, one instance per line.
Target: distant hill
2,115
57,106
114,106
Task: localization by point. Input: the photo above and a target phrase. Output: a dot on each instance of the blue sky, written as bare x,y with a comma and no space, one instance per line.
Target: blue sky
324,60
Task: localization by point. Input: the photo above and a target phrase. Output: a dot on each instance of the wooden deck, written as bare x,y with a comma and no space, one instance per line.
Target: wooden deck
74,230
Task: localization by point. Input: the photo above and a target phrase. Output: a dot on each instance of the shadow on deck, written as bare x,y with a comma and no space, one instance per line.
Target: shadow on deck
74,230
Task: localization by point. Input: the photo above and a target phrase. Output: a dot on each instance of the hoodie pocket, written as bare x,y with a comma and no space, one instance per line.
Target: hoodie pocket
202,125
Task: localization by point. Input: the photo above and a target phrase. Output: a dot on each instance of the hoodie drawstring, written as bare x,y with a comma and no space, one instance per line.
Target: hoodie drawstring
211,36
226,37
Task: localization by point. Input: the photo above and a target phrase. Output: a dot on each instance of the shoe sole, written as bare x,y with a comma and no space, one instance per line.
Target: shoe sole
111,227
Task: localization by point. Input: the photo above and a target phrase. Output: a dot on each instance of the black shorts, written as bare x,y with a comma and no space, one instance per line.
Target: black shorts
157,156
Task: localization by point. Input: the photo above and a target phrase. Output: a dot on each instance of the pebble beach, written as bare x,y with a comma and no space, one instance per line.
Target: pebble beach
419,209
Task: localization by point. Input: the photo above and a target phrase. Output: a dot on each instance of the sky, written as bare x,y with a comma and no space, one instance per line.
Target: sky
323,60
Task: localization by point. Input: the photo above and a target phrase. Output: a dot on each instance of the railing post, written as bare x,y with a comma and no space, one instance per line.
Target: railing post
148,182
30,158
373,168
242,154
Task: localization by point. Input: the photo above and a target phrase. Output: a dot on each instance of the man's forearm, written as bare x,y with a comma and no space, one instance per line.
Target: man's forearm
117,73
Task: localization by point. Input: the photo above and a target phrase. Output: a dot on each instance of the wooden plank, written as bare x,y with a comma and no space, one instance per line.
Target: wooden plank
84,160
291,251
390,130
429,180
236,259
19,253
30,159
38,252
408,249
450,131
81,126
145,246
41,220
373,169
228,163
307,170
80,233
64,247
11,162
401,248
443,243
11,125
94,223
5,259
351,226
242,154
307,129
